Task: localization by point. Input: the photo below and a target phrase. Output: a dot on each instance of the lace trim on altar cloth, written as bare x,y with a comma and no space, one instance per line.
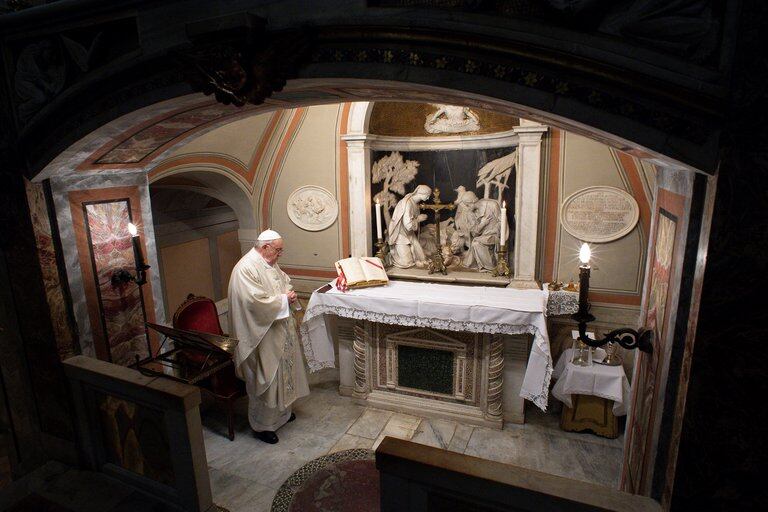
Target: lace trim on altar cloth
540,399
562,303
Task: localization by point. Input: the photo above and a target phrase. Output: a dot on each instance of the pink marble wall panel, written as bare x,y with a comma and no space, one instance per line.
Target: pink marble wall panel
121,307
46,253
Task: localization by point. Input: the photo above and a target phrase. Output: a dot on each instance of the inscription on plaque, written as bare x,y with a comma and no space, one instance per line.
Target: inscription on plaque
599,214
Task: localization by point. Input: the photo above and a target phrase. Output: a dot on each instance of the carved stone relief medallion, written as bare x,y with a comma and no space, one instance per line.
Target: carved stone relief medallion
312,208
599,214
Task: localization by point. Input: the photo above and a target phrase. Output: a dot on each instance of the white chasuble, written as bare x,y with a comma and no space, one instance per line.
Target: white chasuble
268,356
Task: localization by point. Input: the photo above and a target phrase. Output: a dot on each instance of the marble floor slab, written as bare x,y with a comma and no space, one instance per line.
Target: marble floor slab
370,423
350,442
246,473
436,433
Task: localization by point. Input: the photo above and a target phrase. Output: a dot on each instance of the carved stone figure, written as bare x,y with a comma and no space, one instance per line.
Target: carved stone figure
485,236
40,76
496,174
464,220
393,172
427,235
450,259
403,236
451,119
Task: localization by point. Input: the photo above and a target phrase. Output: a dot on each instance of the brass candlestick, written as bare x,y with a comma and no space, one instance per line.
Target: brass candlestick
382,250
502,267
436,263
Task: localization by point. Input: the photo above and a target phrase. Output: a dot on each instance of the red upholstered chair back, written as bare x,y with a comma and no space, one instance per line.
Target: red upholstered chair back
197,314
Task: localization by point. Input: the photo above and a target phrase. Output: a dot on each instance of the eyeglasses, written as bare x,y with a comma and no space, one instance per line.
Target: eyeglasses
277,250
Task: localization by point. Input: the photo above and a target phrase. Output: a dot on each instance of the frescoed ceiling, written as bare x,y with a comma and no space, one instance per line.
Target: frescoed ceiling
139,145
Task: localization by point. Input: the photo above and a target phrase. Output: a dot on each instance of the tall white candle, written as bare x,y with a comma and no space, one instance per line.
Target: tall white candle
378,220
503,234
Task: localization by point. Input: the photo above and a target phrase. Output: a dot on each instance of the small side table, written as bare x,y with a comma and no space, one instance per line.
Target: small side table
592,396
590,413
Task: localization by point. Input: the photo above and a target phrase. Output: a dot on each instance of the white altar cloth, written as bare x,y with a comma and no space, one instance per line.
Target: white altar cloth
438,306
609,382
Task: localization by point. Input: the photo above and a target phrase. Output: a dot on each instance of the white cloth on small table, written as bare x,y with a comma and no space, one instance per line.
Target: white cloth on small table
609,382
561,302
438,306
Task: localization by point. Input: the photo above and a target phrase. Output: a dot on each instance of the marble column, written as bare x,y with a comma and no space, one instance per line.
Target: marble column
359,165
527,179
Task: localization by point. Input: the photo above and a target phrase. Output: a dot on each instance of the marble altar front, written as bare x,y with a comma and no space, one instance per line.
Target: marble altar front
462,376
462,353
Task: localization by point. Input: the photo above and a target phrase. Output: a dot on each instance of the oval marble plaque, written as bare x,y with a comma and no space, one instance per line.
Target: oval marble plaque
312,208
599,214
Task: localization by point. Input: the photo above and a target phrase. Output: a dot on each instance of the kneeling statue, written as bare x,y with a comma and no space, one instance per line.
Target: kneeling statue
405,248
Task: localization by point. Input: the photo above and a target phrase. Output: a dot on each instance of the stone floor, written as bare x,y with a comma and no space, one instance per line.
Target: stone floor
246,473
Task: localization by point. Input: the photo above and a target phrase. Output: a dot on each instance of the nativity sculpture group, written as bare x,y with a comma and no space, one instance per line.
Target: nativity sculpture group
468,240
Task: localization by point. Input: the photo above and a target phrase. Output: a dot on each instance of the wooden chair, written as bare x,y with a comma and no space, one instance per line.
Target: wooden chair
200,314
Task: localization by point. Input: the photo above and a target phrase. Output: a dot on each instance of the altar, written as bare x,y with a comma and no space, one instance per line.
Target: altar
470,354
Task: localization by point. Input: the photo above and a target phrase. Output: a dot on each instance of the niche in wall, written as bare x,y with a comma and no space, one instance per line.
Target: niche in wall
197,244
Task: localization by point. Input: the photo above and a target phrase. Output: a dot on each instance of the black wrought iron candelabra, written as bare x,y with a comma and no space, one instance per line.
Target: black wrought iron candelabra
122,276
626,337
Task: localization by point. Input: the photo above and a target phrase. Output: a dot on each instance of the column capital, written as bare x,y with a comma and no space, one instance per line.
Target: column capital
357,140
530,131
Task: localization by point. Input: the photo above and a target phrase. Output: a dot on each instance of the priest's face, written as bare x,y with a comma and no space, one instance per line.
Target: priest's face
272,250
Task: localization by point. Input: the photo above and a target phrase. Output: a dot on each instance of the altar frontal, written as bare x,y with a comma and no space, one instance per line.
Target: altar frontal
432,348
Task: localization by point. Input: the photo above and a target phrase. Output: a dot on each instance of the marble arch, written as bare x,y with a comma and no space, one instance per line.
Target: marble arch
481,92
222,186
527,137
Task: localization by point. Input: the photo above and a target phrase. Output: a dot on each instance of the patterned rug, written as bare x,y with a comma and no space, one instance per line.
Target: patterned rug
346,481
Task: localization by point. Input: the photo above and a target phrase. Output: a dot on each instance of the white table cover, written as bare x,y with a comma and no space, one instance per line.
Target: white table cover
438,306
609,382
561,302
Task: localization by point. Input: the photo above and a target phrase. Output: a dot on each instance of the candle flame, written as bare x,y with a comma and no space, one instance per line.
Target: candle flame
504,204
132,229
377,200
584,253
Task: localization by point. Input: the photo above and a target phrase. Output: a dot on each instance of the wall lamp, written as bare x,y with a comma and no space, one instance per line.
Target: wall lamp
626,337
122,276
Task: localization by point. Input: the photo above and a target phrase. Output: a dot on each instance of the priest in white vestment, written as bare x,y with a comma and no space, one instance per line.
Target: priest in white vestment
268,356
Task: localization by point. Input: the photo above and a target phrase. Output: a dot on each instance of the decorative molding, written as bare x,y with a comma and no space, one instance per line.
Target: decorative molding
428,339
447,142
312,208
611,213
360,347
495,377
513,72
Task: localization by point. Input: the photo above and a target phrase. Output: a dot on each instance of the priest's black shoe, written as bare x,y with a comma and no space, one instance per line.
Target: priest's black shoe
267,436
293,417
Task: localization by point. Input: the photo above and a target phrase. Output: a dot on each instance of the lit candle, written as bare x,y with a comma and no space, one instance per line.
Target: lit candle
503,220
584,270
378,219
137,256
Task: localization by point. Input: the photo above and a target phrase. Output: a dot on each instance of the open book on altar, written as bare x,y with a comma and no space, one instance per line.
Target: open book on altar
360,273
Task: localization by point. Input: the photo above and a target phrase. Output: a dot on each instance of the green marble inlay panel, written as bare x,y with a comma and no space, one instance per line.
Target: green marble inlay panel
425,368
